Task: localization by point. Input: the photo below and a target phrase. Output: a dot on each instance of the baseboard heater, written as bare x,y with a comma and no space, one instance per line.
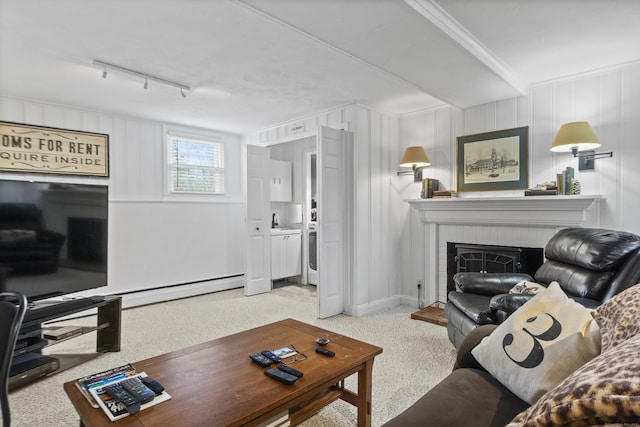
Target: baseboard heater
157,294
180,290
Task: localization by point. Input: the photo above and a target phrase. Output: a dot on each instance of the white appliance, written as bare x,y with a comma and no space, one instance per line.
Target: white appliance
312,265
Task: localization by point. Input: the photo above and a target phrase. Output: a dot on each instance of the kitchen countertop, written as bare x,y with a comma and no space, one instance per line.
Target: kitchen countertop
279,231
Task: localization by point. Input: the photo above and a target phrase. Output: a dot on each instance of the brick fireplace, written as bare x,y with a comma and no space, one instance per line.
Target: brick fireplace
507,221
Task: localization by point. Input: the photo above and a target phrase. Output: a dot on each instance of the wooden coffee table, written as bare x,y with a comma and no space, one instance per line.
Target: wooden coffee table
216,384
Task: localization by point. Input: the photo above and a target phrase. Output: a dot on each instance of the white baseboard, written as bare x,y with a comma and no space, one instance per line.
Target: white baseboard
409,300
175,292
152,296
373,307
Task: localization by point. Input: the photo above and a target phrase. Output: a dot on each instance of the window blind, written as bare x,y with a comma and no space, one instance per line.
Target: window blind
195,165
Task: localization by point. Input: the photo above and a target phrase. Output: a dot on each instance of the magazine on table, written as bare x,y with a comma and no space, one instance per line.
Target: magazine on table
116,410
284,352
84,384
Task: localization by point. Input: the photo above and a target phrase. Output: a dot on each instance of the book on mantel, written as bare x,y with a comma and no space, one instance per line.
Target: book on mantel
429,185
445,194
540,192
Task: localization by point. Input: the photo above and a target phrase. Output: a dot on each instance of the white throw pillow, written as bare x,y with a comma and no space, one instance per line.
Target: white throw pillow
540,344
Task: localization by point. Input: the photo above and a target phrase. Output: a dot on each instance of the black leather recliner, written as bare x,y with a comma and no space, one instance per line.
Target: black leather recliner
590,264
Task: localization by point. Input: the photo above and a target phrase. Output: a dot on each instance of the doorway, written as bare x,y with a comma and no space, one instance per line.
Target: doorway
301,154
334,182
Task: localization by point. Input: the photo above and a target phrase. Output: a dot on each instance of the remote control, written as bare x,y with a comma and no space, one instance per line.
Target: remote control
283,377
136,387
290,370
131,404
271,356
325,352
261,360
154,385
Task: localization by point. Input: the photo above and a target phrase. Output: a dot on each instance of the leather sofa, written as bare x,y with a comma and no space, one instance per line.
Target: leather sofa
590,264
592,376
26,247
469,396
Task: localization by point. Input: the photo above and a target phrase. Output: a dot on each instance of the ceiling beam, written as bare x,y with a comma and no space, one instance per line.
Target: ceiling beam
336,48
436,15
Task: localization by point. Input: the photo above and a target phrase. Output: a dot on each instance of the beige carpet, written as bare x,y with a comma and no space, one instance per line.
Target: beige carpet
416,355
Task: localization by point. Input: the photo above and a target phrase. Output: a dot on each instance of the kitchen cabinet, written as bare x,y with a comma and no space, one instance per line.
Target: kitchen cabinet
286,253
281,183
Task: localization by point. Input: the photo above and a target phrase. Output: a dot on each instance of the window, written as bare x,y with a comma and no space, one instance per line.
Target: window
195,164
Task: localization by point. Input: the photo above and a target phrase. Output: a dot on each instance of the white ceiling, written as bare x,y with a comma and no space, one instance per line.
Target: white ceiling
255,63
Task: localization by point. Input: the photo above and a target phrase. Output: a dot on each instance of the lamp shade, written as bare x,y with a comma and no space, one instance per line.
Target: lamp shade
414,157
575,136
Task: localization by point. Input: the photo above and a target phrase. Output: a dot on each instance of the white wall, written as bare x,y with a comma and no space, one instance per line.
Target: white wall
154,240
167,247
609,100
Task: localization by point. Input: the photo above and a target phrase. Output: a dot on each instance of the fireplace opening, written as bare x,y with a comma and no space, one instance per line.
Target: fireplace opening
467,257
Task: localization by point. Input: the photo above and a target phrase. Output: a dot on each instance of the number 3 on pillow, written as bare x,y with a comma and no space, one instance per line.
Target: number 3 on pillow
536,356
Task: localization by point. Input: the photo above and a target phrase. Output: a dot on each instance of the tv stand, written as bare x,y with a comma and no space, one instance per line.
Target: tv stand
29,364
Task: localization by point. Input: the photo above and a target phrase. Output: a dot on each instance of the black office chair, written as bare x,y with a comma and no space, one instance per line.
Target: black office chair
12,308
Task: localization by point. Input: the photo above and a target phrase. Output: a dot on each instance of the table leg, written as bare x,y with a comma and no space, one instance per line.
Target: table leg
364,394
108,339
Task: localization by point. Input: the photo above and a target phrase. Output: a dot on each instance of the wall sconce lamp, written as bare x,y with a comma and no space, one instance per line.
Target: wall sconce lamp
578,137
415,158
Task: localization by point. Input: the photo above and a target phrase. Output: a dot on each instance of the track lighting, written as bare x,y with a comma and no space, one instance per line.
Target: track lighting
105,65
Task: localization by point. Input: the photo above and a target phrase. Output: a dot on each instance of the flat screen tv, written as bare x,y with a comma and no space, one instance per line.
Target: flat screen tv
53,237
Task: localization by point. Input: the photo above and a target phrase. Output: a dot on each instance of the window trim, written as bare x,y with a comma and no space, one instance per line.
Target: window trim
169,131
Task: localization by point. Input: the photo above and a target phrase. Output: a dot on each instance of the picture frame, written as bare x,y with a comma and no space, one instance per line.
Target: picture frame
26,148
493,161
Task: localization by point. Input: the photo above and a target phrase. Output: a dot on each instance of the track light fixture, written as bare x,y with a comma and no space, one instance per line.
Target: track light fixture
105,65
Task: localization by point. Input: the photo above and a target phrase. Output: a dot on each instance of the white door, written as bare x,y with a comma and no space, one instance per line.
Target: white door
258,259
334,217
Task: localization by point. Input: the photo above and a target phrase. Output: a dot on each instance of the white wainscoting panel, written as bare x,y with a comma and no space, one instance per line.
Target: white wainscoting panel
153,242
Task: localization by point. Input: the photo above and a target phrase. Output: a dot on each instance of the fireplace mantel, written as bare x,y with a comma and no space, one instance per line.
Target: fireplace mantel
538,211
509,221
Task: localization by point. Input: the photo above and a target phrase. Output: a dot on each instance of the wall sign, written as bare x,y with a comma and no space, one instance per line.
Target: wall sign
28,148
297,127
